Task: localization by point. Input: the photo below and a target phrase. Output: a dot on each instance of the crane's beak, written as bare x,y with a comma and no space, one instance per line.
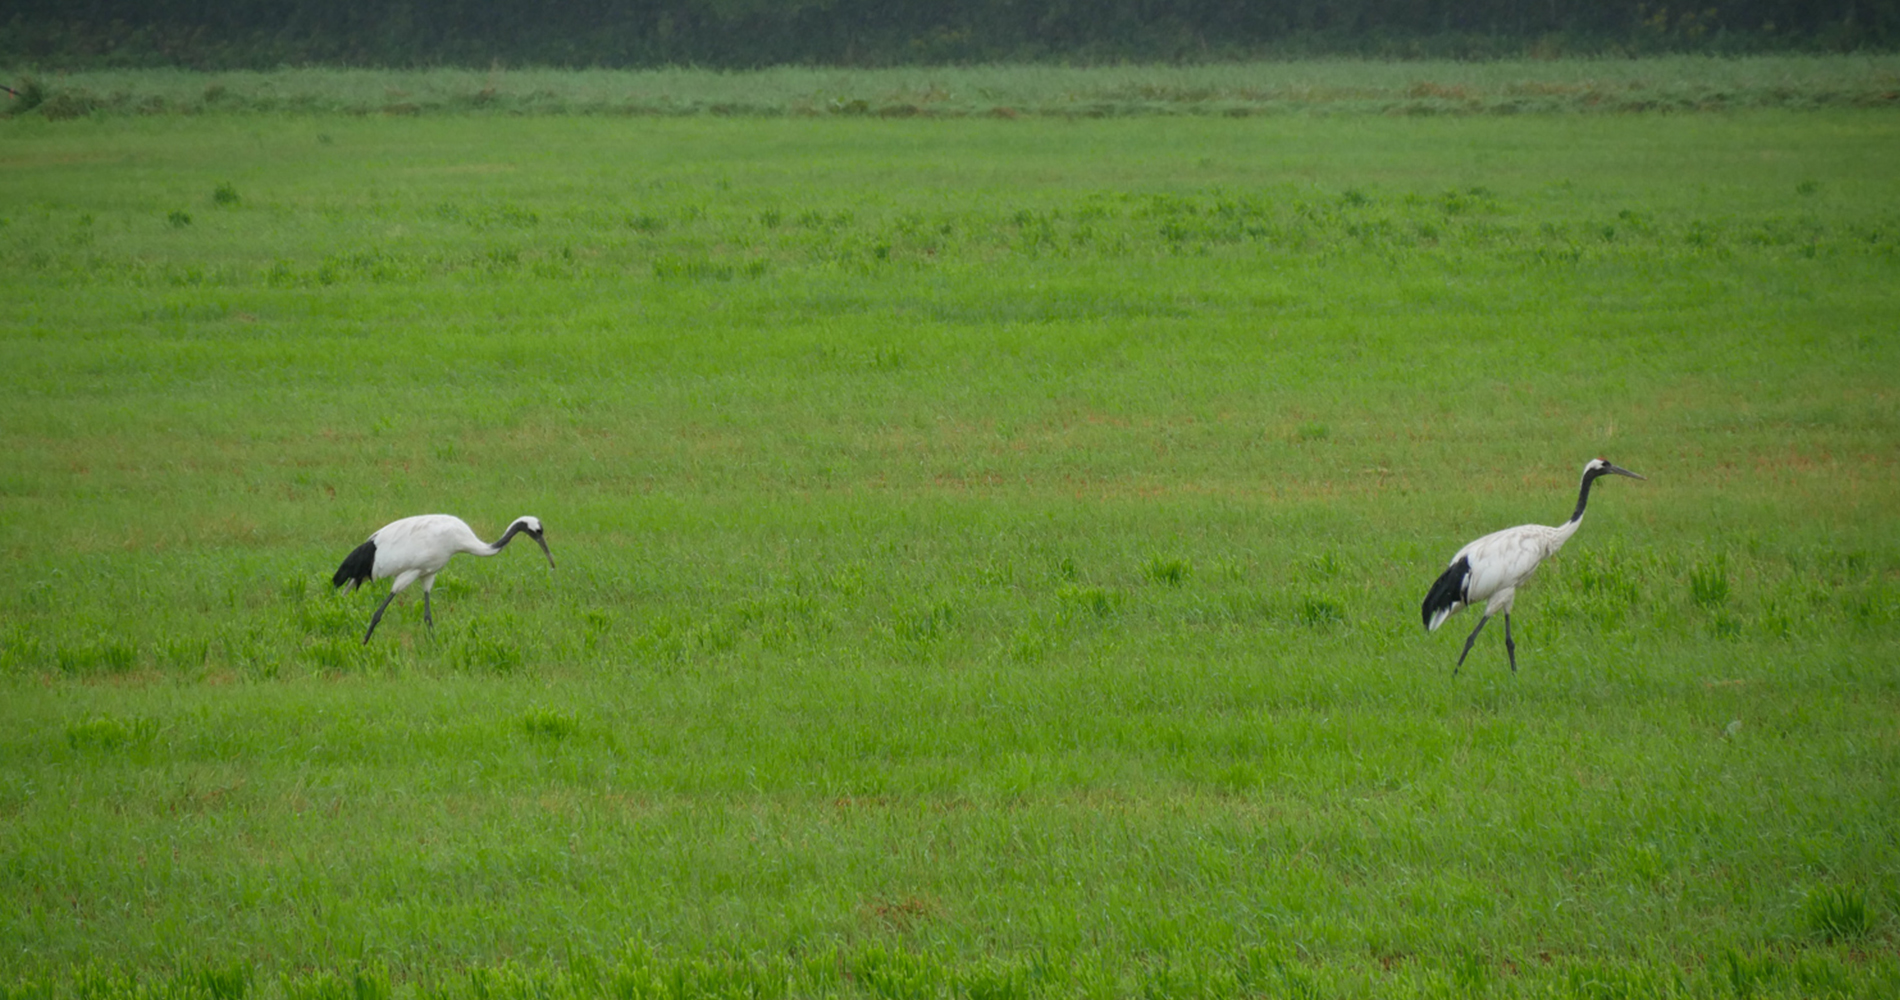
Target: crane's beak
1619,470
538,540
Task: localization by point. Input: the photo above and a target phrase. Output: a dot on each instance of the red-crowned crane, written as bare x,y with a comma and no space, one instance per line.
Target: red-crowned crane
416,548
1493,567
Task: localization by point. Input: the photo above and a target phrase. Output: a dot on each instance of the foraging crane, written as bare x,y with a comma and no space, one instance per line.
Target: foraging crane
1493,567
416,548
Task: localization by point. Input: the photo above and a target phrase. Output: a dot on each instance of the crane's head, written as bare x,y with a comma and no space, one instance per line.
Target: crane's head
1602,467
531,526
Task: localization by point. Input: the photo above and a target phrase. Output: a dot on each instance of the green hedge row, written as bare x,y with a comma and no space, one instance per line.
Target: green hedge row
239,34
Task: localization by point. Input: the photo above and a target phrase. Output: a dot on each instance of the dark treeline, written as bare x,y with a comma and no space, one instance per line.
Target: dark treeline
231,34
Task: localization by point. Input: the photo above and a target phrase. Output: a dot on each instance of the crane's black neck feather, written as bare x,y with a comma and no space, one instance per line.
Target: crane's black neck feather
1583,495
513,530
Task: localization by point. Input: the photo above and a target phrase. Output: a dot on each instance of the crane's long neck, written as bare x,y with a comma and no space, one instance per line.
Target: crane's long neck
1583,497
513,530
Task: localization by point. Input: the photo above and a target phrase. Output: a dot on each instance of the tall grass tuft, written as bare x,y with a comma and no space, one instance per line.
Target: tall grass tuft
108,734
1708,584
550,725
100,656
230,981
1171,571
1319,612
1839,913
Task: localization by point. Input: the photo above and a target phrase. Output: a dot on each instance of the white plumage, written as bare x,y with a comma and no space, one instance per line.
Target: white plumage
1491,569
416,548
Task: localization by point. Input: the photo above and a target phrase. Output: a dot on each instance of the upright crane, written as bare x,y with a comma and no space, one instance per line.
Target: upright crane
1493,567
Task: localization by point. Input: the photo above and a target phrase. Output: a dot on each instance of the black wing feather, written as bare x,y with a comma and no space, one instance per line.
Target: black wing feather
357,566
1447,590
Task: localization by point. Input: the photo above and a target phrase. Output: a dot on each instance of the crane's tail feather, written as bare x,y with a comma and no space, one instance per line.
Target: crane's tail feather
357,566
1447,594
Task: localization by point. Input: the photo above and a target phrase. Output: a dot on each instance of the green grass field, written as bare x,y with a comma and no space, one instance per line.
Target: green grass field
990,552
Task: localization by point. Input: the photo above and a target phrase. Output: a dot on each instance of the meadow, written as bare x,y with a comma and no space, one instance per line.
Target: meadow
1303,87
989,552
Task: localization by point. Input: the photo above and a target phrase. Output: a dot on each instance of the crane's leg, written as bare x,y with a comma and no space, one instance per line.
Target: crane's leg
1510,648
431,621
1473,637
378,617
